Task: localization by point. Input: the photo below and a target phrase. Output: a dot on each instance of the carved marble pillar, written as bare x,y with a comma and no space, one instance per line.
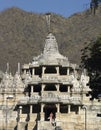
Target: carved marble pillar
58,112
57,69
57,87
58,108
42,113
20,113
31,114
68,89
20,110
25,71
43,86
79,109
33,71
31,109
69,108
32,90
68,71
43,70
42,107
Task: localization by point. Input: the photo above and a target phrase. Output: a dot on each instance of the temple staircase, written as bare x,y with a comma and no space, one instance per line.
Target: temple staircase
45,125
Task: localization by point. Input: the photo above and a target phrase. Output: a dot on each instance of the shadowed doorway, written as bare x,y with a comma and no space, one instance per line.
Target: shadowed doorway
48,109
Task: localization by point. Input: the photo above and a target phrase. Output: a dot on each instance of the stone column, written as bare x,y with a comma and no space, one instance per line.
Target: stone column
31,114
42,106
68,89
58,108
43,70
69,108
32,89
33,71
20,111
42,113
58,112
43,86
68,71
24,71
57,87
31,109
79,109
57,69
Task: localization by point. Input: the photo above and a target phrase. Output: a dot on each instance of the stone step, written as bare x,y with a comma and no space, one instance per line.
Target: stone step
46,125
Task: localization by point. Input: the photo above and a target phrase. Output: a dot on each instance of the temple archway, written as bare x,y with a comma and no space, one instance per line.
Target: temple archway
48,109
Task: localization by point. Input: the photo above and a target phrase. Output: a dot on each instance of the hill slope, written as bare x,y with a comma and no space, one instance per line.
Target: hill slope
22,35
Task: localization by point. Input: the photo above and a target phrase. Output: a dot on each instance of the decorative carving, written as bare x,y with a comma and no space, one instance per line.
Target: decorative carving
7,83
28,78
76,85
84,80
18,85
51,44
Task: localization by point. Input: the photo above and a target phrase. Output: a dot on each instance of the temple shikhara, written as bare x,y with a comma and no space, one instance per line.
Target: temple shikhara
50,93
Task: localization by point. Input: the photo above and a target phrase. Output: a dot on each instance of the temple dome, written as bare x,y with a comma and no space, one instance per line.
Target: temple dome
51,53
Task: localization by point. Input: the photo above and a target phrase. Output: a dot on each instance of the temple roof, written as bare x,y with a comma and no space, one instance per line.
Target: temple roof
51,53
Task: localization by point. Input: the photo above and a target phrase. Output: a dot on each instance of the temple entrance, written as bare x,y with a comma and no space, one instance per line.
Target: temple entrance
50,111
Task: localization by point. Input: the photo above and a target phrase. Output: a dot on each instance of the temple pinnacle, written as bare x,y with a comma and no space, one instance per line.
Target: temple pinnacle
48,21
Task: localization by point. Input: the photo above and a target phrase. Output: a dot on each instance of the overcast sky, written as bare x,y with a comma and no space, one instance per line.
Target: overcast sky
62,7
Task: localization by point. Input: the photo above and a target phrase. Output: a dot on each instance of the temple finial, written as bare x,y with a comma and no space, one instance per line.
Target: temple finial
48,21
18,68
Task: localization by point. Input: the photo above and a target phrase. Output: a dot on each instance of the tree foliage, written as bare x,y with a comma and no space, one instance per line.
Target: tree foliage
22,35
91,60
94,5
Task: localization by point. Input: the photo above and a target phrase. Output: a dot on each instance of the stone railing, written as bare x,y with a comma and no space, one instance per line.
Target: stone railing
50,78
49,96
68,79
34,99
23,100
35,78
29,100
66,98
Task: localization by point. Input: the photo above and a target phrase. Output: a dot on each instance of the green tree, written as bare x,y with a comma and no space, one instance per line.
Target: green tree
91,60
94,5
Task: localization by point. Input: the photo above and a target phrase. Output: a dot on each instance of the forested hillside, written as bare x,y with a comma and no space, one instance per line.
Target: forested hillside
22,35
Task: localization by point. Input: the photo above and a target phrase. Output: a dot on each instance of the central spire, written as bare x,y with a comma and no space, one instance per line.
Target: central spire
50,54
48,15
51,45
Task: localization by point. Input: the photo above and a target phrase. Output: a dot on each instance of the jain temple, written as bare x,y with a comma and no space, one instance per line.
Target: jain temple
50,93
